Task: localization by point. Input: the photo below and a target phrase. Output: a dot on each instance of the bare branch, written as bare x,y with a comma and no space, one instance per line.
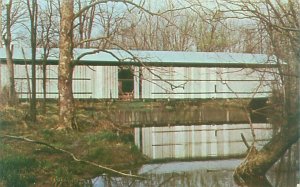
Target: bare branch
106,1
93,39
245,141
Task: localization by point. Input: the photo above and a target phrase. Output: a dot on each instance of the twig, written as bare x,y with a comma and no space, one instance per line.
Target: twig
251,125
245,141
72,155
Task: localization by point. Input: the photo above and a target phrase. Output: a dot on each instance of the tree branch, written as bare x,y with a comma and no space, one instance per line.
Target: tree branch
245,141
92,39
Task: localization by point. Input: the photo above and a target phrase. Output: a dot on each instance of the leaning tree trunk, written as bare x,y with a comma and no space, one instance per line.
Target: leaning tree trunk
253,169
65,68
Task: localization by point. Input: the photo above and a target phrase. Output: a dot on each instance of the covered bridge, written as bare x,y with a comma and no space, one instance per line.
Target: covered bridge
148,74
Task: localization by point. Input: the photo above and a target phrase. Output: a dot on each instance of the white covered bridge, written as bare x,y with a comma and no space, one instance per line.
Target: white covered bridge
149,74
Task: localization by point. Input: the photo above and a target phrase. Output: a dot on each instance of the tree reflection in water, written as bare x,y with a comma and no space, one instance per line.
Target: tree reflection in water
188,179
218,173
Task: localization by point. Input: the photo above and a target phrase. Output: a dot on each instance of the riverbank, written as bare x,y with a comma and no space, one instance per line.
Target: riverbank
96,140
23,163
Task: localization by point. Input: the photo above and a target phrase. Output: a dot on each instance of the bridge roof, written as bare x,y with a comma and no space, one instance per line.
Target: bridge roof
115,57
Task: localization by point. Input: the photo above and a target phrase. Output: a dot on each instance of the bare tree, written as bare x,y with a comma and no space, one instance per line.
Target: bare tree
33,13
47,38
85,25
9,49
182,29
212,33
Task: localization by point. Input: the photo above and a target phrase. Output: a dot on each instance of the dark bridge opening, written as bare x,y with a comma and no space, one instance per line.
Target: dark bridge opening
258,111
126,83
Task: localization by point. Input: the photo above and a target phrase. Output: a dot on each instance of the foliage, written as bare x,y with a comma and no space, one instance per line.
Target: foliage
103,136
110,136
134,149
63,177
47,134
104,154
15,170
12,115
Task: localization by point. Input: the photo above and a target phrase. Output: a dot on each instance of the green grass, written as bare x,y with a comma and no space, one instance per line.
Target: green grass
101,154
5,124
16,170
47,134
109,136
103,136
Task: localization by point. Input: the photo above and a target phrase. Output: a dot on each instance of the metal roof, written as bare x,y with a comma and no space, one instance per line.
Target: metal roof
151,58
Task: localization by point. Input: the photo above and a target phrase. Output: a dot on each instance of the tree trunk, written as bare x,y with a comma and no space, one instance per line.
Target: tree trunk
1,28
65,68
12,97
90,26
253,169
33,27
44,86
12,92
1,46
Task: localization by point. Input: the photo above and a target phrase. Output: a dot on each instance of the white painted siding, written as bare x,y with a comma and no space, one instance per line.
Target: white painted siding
105,82
88,82
182,82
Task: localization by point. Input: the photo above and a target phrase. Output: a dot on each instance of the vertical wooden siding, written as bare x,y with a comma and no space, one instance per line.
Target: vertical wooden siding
188,82
88,82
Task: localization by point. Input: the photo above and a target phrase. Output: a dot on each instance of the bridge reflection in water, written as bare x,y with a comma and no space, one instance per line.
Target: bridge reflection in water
184,130
207,133
200,141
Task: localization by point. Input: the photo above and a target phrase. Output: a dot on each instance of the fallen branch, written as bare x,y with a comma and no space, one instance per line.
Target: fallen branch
72,155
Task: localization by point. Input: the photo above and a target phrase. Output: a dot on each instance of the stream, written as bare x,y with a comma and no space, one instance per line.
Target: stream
209,173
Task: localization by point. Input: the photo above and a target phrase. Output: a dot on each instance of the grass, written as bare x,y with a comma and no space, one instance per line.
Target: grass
15,170
64,177
24,164
109,136
102,136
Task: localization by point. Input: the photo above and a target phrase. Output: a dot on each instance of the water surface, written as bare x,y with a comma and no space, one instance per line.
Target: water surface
214,173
